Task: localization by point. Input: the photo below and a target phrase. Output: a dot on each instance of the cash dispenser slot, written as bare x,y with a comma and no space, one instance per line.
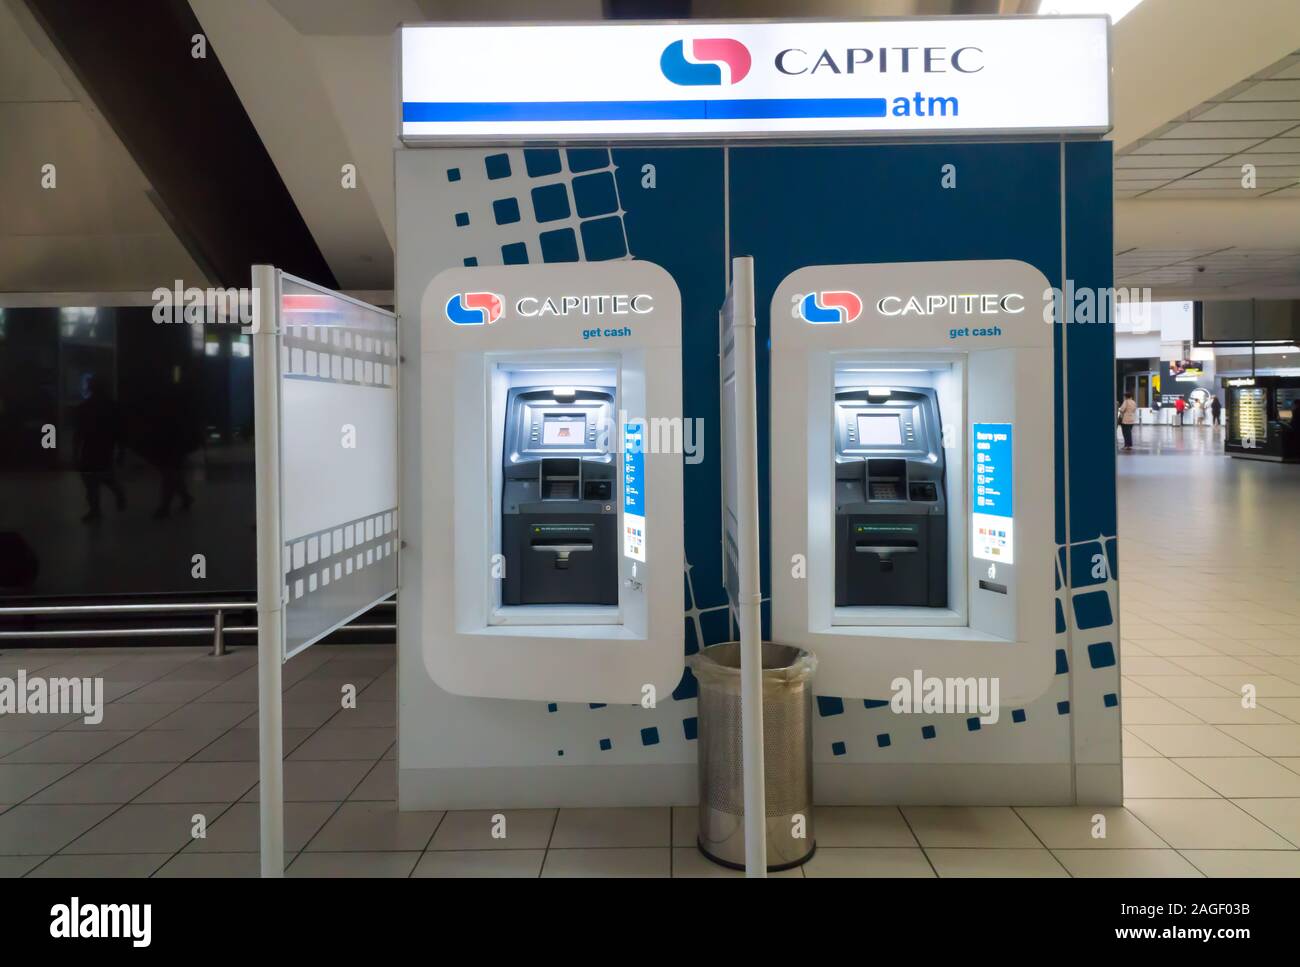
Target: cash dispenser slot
560,479
886,480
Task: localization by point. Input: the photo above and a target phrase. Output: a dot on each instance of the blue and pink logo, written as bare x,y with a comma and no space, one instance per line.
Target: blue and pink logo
474,308
830,308
698,64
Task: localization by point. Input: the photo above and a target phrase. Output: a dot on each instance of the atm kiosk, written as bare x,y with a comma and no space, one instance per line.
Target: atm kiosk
559,523
891,515
551,496
925,241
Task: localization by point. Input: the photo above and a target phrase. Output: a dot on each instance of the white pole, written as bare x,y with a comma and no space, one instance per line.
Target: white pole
270,567
750,598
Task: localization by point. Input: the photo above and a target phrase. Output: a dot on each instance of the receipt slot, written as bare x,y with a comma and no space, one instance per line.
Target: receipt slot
551,537
891,515
911,415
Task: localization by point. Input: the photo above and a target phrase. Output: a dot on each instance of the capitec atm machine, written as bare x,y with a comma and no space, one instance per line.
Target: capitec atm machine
935,449
559,521
891,517
551,519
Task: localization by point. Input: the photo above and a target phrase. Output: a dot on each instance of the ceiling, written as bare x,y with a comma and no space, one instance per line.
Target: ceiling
98,228
1218,272
309,74
1202,153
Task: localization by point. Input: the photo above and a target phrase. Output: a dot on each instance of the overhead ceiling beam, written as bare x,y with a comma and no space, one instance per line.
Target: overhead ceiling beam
186,129
1168,56
1252,223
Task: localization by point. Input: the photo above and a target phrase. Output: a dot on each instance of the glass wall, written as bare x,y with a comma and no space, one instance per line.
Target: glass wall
126,455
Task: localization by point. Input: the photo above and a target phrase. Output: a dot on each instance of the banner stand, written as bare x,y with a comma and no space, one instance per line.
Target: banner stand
325,375
741,543
270,568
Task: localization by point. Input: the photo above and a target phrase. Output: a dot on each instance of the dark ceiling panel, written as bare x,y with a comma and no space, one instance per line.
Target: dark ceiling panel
647,9
186,128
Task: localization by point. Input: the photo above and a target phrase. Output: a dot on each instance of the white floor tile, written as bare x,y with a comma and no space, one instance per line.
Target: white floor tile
1240,778
861,826
1162,779
1076,827
1259,863
625,862
203,782
1190,740
21,780
1204,824
993,827
995,863
488,829
44,830
1270,740
1228,711
114,865
481,863
607,828
354,864
104,782
1280,815
375,827
1125,864
890,862
1155,711
237,829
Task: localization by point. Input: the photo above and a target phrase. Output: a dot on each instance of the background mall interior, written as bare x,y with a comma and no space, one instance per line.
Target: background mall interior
163,185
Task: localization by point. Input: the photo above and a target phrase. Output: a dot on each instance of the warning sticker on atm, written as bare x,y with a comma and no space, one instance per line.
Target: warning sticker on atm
634,491
992,523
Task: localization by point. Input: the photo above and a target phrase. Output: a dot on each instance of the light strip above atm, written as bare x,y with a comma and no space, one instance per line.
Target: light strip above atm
700,79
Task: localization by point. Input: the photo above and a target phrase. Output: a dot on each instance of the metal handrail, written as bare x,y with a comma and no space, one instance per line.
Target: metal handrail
133,608
218,630
161,607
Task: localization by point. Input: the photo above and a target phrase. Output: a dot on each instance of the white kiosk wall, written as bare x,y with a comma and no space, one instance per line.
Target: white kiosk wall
988,359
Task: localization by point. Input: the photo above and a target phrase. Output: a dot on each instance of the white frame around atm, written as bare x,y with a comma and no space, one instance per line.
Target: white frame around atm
1011,638
471,645
956,614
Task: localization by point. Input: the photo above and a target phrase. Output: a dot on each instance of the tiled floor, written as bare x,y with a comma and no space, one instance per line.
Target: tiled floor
1210,600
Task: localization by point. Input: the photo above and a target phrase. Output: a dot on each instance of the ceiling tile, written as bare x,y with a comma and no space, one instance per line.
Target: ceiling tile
1198,146
1230,129
1165,160
1271,90
1140,174
1278,146
1252,111
1260,160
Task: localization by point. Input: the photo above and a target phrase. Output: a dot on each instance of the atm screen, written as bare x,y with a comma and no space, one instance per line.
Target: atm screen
879,430
564,431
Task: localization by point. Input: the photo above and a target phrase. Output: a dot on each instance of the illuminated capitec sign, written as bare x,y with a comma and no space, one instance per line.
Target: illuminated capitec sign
485,308
585,305
710,79
982,304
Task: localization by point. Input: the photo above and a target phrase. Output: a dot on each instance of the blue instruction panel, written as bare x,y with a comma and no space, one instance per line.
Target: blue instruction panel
634,491
991,488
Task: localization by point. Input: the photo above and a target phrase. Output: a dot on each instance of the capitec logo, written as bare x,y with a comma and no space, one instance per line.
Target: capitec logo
700,68
829,308
474,308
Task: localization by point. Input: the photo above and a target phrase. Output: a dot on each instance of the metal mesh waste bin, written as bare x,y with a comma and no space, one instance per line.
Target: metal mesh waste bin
787,747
